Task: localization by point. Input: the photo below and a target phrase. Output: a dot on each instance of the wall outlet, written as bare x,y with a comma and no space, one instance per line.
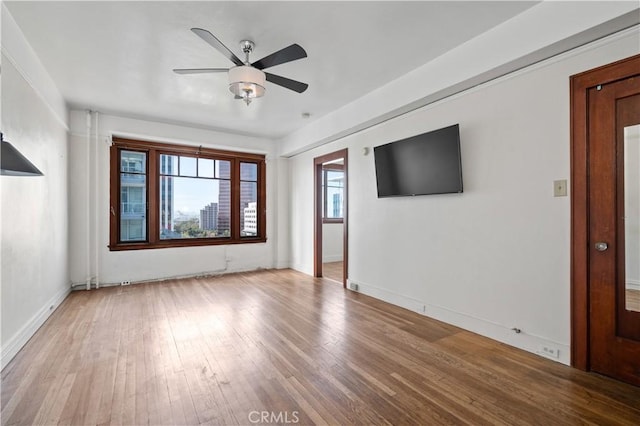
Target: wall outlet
127,282
353,286
549,351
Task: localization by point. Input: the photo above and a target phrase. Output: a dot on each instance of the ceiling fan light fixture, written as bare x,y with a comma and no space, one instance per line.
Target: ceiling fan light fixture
246,79
246,82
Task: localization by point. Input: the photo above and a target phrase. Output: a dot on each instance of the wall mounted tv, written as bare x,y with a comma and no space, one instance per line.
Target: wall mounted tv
420,165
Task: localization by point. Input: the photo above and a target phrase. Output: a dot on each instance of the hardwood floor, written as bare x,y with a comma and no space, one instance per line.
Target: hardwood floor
282,347
333,270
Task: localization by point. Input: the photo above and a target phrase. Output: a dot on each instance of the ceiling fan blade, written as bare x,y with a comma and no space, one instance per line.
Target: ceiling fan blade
296,86
282,56
198,70
217,44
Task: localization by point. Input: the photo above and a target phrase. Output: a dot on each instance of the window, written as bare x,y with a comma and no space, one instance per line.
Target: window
172,196
133,195
332,193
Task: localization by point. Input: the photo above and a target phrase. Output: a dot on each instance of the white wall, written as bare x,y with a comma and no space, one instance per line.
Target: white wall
112,267
282,208
332,242
496,256
34,258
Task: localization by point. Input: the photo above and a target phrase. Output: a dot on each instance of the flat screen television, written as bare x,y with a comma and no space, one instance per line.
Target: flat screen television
425,164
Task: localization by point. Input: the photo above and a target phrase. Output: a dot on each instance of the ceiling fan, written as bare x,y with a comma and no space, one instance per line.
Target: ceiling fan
247,80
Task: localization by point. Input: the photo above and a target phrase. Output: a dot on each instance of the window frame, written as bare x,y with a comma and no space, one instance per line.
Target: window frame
153,151
325,168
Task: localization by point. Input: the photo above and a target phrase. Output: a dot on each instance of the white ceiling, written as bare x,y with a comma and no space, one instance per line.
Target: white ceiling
117,57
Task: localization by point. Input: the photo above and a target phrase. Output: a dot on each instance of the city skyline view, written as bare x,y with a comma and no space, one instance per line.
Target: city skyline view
194,198
192,195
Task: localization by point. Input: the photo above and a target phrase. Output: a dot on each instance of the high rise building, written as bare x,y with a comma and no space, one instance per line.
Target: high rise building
248,194
209,217
133,196
250,219
337,204
224,197
166,197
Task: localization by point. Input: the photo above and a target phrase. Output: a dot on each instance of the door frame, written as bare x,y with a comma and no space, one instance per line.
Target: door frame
317,222
580,84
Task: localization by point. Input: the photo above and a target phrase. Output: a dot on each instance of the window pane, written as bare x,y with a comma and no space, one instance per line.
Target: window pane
194,208
167,209
188,166
248,209
334,203
322,201
335,178
132,230
205,168
133,196
169,164
133,162
332,193
224,207
249,171
223,169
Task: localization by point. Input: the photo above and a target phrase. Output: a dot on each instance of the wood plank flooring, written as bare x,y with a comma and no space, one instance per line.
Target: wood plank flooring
281,347
333,270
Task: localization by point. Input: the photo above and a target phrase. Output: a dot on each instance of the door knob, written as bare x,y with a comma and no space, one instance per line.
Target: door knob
601,246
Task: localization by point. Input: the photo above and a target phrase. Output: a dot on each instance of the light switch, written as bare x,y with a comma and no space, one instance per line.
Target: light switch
560,188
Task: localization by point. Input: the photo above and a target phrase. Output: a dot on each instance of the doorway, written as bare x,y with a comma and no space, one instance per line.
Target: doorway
605,258
331,216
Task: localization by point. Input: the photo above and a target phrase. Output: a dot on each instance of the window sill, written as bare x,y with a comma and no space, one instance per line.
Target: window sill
185,243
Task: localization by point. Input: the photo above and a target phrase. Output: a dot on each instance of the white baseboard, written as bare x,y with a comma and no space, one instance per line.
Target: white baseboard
83,285
633,284
492,330
18,340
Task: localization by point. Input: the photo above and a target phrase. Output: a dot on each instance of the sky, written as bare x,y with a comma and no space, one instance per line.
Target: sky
191,195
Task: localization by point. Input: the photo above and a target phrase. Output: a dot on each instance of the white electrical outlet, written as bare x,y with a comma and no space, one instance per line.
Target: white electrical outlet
127,282
549,351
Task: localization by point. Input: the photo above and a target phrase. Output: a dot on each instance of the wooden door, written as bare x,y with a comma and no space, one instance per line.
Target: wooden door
605,175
